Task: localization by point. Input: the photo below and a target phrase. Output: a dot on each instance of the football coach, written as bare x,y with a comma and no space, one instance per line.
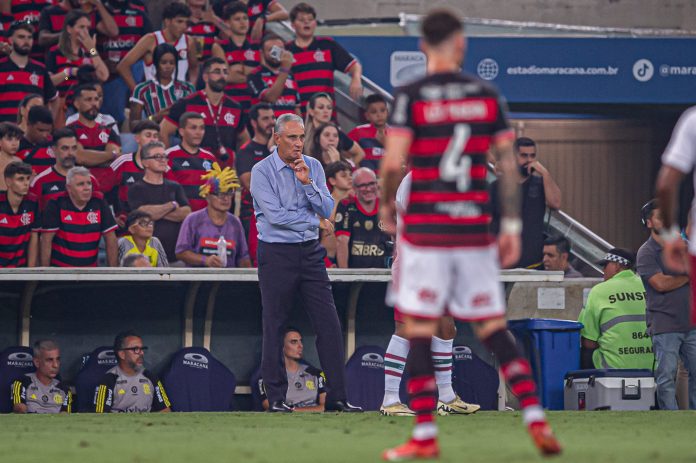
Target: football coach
292,203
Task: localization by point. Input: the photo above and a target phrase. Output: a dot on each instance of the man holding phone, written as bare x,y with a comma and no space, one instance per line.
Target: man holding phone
273,82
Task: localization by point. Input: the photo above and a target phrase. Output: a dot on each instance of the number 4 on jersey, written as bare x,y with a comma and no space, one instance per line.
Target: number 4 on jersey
453,166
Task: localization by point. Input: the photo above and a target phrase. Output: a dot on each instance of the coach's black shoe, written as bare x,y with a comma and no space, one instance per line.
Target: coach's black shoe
280,406
341,406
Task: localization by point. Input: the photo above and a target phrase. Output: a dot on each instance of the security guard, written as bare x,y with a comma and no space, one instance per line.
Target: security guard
614,333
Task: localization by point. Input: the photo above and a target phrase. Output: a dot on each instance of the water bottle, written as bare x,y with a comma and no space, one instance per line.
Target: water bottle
222,250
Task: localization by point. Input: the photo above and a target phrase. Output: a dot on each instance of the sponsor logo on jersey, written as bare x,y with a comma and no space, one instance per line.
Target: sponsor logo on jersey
146,389
130,180
360,248
460,110
10,78
134,389
83,136
131,21
372,360
58,398
54,188
4,220
196,361
185,164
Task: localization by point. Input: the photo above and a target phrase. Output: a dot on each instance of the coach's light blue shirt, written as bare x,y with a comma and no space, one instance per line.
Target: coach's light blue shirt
286,210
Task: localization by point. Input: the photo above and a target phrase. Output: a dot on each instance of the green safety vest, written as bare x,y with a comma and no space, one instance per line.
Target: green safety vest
614,317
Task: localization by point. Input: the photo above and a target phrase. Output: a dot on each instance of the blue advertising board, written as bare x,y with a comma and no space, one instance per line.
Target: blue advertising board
552,70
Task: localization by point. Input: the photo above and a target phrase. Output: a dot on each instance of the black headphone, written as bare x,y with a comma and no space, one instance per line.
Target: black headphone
646,210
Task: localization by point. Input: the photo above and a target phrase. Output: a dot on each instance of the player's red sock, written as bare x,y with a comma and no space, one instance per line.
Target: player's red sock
517,373
422,391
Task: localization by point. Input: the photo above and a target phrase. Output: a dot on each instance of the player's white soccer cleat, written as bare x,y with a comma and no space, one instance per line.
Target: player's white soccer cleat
396,409
456,407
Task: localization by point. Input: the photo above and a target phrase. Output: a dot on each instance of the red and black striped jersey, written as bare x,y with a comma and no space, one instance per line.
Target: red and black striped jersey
204,34
6,21
247,54
16,83
30,11
77,231
258,9
56,62
247,157
186,169
314,66
453,119
126,173
366,136
96,138
132,24
16,229
49,184
39,156
261,82
230,121
53,17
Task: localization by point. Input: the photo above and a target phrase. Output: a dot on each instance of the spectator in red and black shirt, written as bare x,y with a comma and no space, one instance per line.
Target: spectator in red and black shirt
21,76
73,224
316,58
53,18
10,134
128,168
75,48
225,124
202,27
371,136
242,56
28,102
50,183
188,161
98,144
35,145
260,12
27,11
273,82
19,219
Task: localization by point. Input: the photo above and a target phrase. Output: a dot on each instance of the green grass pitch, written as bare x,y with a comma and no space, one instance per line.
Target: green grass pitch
588,437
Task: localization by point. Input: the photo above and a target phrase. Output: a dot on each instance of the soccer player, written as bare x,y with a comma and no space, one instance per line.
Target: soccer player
10,134
129,387
370,136
445,123
19,219
42,392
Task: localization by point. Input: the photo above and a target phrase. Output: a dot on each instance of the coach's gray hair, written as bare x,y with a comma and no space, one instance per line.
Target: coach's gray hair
284,119
148,147
76,171
44,344
364,169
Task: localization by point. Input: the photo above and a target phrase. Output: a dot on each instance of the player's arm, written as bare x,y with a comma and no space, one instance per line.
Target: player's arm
356,153
356,88
160,401
509,243
104,394
674,248
18,394
342,249
33,250
276,12
46,242
51,223
158,211
552,192
397,146
142,48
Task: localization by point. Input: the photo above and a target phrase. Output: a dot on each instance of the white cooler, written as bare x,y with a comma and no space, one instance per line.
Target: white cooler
609,390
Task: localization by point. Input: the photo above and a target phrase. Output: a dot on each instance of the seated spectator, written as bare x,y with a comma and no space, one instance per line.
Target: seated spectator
75,47
145,392
340,182
260,12
319,110
361,243
73,224
242,56
273,82
19,219
156,96
162,198
98,145
90,79
557,257
188,162
128,168
136,260
41,391
371,136
50,183
201,231
140,240
10,134
28,102
316,58
306,384
325,145
34,146
615,332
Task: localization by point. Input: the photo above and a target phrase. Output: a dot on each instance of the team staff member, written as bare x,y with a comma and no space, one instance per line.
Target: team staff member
41,391
306,384
73,224
615,334
129,387
21,76
291,203
19,219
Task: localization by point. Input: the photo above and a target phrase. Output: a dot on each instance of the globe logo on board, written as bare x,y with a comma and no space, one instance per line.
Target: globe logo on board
487,69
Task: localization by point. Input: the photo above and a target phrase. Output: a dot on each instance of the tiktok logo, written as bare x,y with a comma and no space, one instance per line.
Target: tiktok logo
643,70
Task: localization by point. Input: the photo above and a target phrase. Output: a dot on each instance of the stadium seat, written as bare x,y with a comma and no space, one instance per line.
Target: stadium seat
197,382
97,364
365,377
14,362
256,402
474,380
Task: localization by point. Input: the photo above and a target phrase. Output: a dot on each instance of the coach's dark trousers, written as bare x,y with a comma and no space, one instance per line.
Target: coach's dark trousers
285,269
